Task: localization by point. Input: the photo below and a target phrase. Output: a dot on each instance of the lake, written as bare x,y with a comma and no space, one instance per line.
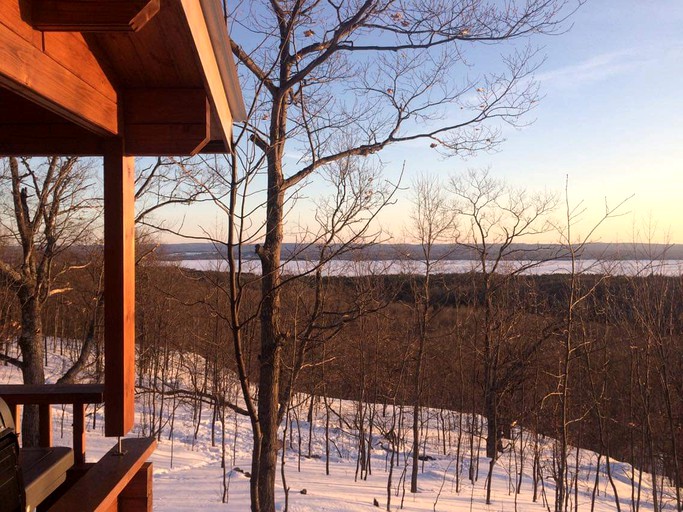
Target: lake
358,268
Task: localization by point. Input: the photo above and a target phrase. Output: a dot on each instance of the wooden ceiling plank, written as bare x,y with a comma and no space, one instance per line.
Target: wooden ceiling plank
72,52
151,57
122,57
12,17
187,66
92,15
34,75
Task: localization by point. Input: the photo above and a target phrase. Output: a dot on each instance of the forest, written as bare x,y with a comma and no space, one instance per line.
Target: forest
591,361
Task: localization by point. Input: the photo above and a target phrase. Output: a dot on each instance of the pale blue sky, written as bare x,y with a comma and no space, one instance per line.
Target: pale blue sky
610,119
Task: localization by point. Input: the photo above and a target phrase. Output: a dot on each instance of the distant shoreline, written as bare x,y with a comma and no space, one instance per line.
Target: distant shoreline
346,268
444,252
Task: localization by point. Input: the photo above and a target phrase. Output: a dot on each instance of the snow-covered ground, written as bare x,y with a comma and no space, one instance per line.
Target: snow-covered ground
188,474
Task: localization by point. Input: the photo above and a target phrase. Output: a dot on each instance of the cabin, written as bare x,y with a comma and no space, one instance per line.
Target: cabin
118,79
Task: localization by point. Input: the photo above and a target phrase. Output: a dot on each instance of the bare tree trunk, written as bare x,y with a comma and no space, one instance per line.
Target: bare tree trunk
87,348
271,337
32,352
311,410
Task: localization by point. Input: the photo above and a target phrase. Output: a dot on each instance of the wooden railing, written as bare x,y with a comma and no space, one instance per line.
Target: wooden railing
121,481
44,396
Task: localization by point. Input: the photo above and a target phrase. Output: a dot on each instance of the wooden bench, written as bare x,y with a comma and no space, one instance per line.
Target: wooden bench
40,470
43,471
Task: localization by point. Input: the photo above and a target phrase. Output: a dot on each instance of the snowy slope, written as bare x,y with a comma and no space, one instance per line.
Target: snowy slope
188,474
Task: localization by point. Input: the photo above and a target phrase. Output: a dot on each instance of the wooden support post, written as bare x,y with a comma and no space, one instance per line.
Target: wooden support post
119,290
16,413
45,427
137,496
79,433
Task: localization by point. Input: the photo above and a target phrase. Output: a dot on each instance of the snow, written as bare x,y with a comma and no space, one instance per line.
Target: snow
188,474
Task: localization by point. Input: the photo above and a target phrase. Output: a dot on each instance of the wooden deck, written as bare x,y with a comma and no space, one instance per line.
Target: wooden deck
118,80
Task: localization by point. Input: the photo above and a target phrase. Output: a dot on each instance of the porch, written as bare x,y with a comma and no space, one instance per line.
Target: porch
117,79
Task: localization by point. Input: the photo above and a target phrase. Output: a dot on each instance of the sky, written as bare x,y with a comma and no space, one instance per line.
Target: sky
609,122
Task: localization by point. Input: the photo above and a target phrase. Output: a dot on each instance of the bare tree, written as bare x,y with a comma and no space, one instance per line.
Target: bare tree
170,181
576,296
49,208
495,217
432,223
342,223
379,72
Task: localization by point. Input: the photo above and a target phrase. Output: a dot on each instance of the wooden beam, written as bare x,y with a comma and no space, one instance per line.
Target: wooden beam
165,140
137,496
80,95
165,106
92,15
215,147
216,144
46,394
28,129
119,290
165,122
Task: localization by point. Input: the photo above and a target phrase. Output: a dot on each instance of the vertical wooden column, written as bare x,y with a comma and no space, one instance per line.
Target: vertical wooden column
45,426
79,433
137,495
119,290
16,414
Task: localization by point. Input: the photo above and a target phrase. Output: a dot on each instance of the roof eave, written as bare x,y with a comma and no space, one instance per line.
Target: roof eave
218,33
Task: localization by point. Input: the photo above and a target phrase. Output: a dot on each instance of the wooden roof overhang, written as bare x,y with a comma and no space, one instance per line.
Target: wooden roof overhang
158,74
116,78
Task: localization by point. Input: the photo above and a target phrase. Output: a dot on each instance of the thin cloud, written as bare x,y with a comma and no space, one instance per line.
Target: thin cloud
596,69
608,65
